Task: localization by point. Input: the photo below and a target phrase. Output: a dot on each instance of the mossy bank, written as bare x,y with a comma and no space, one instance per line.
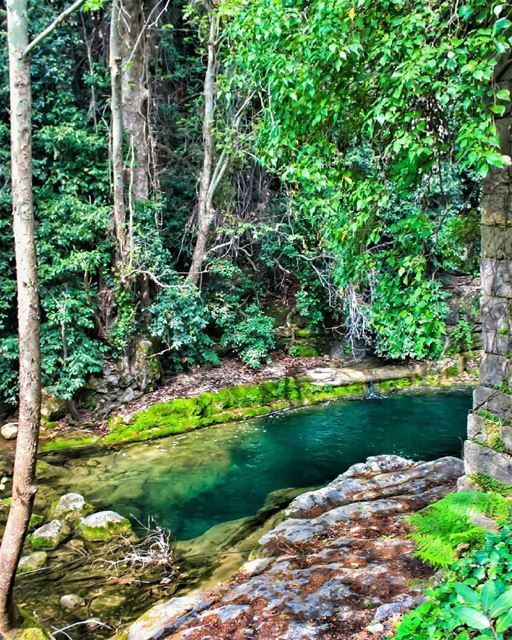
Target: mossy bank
242,402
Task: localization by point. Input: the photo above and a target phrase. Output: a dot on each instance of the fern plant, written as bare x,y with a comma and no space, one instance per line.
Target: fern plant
445,527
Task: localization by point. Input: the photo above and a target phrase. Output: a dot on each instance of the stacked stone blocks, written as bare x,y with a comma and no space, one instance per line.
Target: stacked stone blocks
488,450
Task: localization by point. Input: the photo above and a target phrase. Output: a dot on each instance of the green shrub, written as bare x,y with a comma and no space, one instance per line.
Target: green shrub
486,483
461,338
252,337
474,602
439,529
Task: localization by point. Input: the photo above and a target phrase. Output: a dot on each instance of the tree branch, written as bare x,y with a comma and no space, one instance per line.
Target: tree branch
51,27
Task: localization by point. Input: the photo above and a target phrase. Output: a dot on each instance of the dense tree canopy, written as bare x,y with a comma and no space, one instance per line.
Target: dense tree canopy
349,139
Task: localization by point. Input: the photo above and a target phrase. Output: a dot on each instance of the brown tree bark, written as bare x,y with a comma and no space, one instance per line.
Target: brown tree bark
135,95
24,488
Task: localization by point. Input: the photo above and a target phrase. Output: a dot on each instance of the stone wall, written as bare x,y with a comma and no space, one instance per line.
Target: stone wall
488,450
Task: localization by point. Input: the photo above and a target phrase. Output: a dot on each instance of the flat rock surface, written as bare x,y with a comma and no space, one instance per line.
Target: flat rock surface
341,562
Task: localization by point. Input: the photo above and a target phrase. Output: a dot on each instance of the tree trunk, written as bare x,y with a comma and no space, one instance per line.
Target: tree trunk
135,97
117,138
134,43
24,488
205,212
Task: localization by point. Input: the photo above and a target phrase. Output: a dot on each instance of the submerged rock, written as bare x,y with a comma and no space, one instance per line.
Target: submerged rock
32,562
339,567
9,431
70,507
50,535
72,601
104,525
46,471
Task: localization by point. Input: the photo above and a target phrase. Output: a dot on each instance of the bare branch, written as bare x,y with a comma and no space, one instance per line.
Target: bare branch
51,27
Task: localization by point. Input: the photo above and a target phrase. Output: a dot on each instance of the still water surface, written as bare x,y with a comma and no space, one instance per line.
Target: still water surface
192,482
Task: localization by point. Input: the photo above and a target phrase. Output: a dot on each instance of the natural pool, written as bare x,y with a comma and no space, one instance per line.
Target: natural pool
192,482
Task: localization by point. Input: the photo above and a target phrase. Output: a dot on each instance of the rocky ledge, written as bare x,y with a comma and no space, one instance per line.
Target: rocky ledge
339,566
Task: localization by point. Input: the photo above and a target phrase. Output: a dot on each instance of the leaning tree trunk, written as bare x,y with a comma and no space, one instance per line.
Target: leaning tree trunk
205,212
24,488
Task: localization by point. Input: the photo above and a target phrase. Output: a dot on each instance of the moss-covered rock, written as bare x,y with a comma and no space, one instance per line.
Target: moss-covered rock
70,507
399,383
305,351
241,402
35,521
103,525
31,633
32,562
50,535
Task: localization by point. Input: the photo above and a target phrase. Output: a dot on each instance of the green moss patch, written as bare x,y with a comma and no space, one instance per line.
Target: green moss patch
398,383
231,404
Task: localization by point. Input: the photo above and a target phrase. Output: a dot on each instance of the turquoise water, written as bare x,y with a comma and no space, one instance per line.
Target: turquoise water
192,482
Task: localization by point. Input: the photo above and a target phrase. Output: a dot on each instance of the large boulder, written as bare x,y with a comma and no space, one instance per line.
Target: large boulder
9,431
70,507
50,535
167,617
379,477
104,525
342,560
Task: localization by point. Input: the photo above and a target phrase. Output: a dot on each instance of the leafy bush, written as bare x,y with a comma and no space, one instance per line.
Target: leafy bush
475,602
408,321
439,529
179,320
462,338
252,337
487,483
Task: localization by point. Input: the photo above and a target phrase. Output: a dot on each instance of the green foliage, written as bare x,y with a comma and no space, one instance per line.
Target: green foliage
368,157
462,338
252,337
357,191
491,484
408,323
439,529
474,602
498,444
71,196
179,321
